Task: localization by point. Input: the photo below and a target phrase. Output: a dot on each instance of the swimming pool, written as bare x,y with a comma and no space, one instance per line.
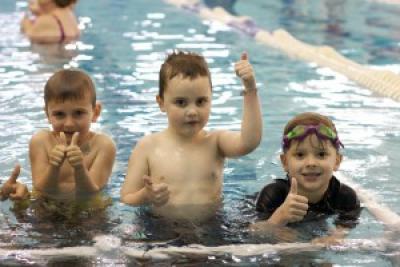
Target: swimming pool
122,46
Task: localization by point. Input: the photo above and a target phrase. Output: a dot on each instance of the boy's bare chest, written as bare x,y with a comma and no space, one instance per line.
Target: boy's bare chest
186,164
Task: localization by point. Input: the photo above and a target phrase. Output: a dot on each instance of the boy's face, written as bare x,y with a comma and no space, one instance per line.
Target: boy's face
72,115
187,104
311,164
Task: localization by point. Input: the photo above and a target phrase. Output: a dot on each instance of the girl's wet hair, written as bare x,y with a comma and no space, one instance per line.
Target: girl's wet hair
310,118
188,64
69,85
64,3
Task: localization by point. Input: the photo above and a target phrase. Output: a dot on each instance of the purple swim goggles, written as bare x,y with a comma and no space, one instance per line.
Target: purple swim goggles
301,131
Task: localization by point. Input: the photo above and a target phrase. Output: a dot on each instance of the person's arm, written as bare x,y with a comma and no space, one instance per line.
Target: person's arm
335,237
96,177
46,168
43,29
138,188
233,144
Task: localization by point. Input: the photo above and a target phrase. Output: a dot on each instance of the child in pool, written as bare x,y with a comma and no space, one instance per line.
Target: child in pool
179,170
54,21
310,156
70,161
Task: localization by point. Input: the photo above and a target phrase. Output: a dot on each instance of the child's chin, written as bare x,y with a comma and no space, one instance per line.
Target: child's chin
311,178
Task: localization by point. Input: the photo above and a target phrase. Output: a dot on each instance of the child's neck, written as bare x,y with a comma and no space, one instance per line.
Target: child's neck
183,138
313,197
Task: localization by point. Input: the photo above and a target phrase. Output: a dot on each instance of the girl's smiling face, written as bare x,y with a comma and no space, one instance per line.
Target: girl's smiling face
312,162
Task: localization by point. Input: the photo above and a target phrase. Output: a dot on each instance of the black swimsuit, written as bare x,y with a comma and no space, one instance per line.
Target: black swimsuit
339,200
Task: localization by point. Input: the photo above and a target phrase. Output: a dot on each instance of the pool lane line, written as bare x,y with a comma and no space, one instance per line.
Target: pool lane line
384,82
381,212
102,250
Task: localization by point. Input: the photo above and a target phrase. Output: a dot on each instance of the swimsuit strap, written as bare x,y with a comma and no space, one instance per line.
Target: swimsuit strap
62,38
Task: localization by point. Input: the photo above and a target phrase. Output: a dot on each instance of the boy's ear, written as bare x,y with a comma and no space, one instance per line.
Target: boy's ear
46,112
339,158
96,111
160,102
284,162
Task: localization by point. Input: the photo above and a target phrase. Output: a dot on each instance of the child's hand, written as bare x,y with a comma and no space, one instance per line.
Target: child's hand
244,71
327,241
294,208
74,153
57,155
157,193
336,237
34,7
13,189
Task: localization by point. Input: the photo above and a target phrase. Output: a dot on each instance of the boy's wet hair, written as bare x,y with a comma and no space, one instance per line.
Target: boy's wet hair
69,84
308,119
188,64
64,3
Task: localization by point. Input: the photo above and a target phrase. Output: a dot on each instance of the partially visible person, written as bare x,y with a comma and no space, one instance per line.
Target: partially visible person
53,21
179,171
310,156
70,161
228,5
12,189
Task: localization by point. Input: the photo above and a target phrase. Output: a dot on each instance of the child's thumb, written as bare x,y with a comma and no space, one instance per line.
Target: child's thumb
14,175
63,139
75,138
147,180
244,56
293,186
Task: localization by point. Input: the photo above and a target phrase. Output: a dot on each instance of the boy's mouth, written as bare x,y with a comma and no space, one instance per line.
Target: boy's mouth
192,122
311,176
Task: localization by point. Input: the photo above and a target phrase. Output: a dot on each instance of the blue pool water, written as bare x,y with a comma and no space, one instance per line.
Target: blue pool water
122,46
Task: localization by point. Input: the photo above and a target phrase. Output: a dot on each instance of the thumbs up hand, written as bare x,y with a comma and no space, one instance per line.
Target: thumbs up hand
293,209
57,154
245,72
13,189
74,153
157,193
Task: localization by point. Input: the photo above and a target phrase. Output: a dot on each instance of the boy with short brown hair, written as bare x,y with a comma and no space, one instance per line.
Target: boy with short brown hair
70,161
179,171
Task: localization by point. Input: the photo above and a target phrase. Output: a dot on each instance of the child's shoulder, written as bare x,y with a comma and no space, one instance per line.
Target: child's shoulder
41,135
151,139
102,140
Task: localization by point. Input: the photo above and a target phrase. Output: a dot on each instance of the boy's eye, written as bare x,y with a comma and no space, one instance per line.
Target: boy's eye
322,154
201,102
180,102
79,113
299,154
58,114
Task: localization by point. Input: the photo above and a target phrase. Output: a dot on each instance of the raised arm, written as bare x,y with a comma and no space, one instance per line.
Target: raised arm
233,144
91,179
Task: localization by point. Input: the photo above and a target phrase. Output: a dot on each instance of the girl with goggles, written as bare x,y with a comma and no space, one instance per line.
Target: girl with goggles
310,190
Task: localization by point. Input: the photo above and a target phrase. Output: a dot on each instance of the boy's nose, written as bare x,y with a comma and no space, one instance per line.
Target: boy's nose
310,161
69,122
191,112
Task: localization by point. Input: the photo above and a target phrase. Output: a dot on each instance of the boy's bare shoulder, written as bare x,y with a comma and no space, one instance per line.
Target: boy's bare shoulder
103,141
41,136
149,140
